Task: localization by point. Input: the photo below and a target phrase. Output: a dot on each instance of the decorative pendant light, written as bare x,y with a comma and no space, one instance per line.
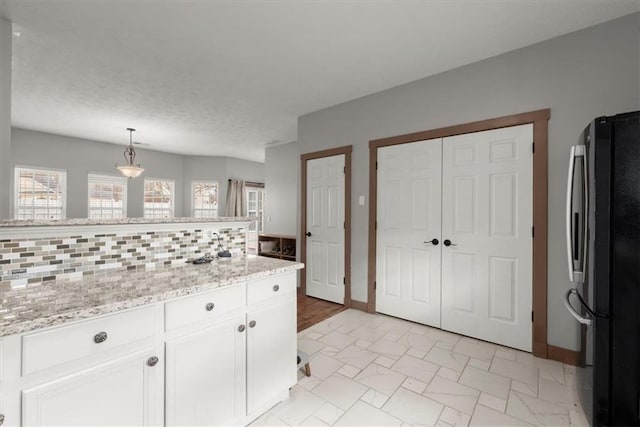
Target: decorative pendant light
130,170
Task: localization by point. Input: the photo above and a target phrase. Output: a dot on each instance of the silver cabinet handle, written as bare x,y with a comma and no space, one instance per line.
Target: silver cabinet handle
152,361
241,328
276,288
100,337
209,306
252,324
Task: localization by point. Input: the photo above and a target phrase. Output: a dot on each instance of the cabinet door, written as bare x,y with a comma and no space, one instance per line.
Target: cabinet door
205,376
271,353
117,393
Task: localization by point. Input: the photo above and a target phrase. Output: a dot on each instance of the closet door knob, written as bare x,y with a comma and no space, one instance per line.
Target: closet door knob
434,242
447,242
308,233
241,328
152,361
252,324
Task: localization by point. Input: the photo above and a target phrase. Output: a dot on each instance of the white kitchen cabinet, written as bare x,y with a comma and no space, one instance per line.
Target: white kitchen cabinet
271,342
205,376
116,393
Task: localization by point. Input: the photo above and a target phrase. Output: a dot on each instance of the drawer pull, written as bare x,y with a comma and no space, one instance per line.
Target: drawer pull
209,306
252,324
152,361
100,337
241,328
276,288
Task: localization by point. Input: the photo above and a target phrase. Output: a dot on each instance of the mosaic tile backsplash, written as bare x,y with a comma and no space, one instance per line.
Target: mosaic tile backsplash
31,261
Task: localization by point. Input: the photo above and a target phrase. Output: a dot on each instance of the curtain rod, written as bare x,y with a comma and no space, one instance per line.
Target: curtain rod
252,183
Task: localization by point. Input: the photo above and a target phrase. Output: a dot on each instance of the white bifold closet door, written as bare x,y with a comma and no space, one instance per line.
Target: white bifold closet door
408,204
325,228
487,215
473,193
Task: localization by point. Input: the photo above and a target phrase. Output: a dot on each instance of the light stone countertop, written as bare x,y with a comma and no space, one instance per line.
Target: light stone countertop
56,302
122,221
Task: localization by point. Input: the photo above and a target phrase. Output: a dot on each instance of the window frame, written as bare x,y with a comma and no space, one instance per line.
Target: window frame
173,198
193,198
261,196
103,178
16,193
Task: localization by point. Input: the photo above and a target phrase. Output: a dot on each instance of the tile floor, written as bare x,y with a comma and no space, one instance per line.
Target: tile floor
372,370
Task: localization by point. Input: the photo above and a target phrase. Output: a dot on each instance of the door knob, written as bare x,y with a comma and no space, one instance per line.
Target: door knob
434,242
152,361
447,242
308,233
252,324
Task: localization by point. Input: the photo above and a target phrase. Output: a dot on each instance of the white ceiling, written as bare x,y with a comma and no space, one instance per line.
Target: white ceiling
226,77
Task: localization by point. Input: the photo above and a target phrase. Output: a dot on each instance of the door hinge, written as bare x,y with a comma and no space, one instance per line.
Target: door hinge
344,169
532,315
376,227
376,165
533,231
375,285
344,280
344,225
533,147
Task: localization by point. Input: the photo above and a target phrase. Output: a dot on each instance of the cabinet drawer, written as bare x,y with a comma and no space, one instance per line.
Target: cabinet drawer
203,307
43,350
271,287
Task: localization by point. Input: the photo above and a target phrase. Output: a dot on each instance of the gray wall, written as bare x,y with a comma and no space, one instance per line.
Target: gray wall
579,76
5,116
281,181
80,157
219,169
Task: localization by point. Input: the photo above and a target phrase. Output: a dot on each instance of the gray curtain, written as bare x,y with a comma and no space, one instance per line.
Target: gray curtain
236,199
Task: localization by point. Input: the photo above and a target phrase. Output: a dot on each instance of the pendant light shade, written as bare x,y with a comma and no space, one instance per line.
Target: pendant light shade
130,170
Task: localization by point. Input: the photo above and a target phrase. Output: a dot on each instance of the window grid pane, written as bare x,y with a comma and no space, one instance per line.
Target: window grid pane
159,196
39,193
204,196
107,197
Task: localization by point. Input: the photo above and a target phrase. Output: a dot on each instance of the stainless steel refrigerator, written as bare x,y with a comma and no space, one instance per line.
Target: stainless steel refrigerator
603,251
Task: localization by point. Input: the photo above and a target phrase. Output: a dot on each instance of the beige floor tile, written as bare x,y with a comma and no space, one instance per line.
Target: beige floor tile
309,346
368,333
486,381
448,359
362,414
416,353
413,408
313,335
329,413
549,369
449,374
340,391
454,417
527,374
554,392
385,361
536,411
374,398
338,340
420,342
492,402
380,379
414,385
528,389
484,417
363,343
416,368
308,383
475,349
578,419
313,421
349,371
298,407
329,351
388,348
506,353
483,364
356,356
323,366
268,419
452,394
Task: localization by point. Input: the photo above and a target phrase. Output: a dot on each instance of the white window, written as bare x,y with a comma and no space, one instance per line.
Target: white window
159,198
40,193
204,199
255,207
107,196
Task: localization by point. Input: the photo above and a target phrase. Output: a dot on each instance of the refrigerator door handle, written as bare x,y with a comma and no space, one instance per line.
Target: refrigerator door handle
569,228
572,311
576,275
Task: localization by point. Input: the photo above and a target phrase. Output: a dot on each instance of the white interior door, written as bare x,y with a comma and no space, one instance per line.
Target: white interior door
409,218
325,228
487,215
